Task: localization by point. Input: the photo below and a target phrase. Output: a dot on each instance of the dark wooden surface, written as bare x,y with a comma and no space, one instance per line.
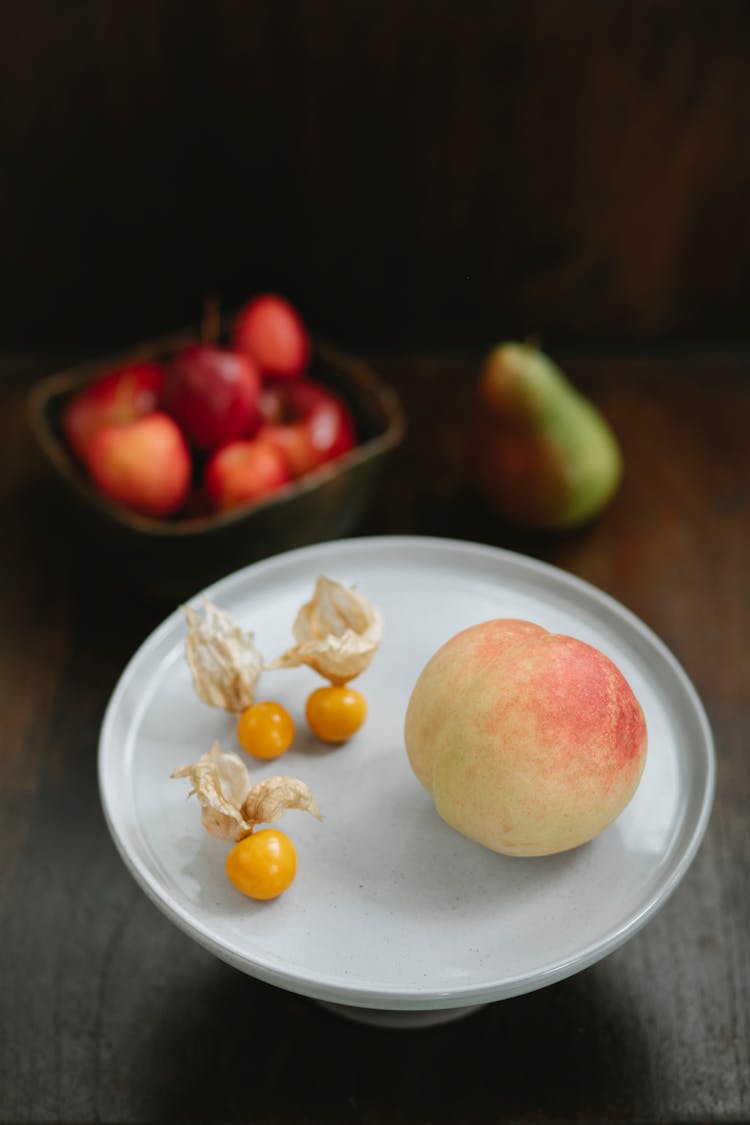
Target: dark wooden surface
410,174
108,1013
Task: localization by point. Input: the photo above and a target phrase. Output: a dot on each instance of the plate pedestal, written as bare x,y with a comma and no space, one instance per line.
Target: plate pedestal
406,1020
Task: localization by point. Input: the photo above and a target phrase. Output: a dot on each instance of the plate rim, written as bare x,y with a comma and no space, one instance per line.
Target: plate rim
398,998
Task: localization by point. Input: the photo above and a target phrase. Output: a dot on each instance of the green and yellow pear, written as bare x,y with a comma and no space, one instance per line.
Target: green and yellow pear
543,454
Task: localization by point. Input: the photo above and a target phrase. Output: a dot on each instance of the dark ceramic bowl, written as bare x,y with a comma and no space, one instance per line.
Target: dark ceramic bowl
175,558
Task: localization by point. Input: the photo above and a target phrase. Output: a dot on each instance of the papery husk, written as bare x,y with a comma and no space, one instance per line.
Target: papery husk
230,808
267,800
337,632
221,783
223,659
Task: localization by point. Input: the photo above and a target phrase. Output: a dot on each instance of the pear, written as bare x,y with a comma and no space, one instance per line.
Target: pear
544,456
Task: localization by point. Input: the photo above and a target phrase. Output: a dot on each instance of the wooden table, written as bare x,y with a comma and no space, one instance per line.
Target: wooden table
108,1013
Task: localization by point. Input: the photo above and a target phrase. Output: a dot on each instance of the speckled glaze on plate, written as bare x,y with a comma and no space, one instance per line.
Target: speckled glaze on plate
395,918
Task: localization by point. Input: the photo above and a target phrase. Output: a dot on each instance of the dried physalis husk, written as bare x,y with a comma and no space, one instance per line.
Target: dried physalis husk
223,659
220,782
267,800
231,809
338,633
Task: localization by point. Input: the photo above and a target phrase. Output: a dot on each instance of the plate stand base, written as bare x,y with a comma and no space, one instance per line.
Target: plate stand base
406,1021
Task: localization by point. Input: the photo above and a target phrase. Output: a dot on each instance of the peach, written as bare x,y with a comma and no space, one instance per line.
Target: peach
530,742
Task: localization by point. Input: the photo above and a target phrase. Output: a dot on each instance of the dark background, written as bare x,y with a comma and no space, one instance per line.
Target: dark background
413,175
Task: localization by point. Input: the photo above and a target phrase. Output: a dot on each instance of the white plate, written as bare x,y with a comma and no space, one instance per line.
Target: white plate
391,909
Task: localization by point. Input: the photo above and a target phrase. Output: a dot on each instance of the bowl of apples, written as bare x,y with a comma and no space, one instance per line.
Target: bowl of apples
200,452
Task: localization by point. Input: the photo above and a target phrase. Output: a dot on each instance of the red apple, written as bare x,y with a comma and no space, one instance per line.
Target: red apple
243,471
271,332
308,423
144,465
117,397
212,393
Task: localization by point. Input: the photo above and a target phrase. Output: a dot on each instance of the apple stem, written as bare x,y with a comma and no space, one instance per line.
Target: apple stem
211,322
